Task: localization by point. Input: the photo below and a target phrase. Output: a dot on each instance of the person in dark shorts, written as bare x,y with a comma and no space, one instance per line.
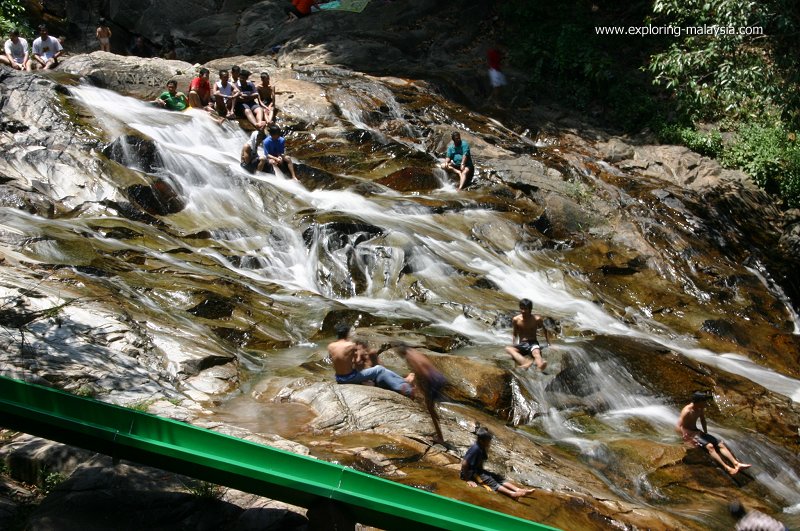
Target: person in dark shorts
250,161
717,449
474,474
428,380
523,336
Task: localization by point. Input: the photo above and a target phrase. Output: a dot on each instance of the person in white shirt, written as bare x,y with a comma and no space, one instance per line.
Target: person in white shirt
16,52
225,95
46,49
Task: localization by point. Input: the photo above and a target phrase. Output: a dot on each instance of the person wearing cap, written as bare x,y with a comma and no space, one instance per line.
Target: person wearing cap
16,52
716,448
473,473
46,49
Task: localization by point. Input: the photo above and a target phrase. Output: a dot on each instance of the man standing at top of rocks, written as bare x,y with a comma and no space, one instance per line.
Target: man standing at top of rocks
687,428
523,336
458,160
343,354
46,49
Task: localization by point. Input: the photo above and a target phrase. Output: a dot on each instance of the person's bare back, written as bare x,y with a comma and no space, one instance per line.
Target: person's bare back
342,353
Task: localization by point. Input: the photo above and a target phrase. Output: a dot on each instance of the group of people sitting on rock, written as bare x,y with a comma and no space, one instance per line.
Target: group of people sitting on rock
233,95
43,54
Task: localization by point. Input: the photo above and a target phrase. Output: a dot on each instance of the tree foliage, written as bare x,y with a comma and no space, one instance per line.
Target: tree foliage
728,69
735,63
12,15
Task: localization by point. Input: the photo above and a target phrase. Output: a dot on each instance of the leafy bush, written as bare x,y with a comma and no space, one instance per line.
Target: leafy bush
708,144
12,15
771,155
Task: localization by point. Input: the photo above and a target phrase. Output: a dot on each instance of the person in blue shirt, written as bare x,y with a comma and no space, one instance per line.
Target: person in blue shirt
459,160
275,151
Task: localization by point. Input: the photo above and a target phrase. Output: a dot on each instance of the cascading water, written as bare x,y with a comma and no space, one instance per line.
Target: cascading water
267,236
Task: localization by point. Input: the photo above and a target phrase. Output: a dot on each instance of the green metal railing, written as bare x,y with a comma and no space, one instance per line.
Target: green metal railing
124,433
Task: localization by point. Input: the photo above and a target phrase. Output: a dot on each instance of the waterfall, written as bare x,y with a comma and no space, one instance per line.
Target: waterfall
263,238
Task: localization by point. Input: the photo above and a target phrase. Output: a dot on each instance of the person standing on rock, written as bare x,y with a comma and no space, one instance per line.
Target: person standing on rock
687,428
343,355
428,380
16,52
473,473
523,337
103,35
458,160
46,49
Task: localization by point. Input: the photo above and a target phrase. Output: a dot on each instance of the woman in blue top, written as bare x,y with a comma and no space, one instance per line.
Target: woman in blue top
458,160
275,150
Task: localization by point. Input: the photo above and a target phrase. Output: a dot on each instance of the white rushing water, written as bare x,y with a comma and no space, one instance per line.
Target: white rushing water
261,217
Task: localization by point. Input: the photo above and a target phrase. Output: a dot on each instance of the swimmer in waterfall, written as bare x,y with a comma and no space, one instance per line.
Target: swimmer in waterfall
687,428
525,349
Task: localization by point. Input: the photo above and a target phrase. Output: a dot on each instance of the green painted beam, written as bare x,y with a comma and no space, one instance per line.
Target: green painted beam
163,443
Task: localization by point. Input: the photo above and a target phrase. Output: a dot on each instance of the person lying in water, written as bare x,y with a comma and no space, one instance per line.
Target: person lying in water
687,428
343,356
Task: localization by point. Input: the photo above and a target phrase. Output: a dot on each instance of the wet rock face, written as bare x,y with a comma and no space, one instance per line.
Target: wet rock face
411,179
159,199
134,152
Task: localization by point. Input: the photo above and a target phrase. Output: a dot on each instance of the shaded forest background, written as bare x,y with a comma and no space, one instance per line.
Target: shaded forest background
730,95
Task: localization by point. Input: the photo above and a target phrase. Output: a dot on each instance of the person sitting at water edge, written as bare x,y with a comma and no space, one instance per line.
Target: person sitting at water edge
343,352
428,380
275,150
172,99
46,49
474,474
249,104
458,160
200,91
687,428
266,93
225,95
250,159
523,337
16,52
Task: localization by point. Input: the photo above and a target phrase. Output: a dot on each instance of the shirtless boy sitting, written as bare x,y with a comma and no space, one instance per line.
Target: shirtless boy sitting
687,428
343,356
523,336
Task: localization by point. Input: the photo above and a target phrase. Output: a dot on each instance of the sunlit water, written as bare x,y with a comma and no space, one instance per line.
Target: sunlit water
261,219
